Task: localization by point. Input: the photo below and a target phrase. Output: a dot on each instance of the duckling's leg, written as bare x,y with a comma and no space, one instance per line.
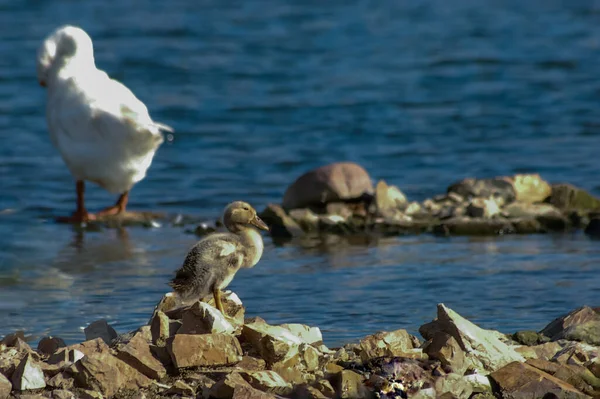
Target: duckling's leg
217,296
81,215
118,207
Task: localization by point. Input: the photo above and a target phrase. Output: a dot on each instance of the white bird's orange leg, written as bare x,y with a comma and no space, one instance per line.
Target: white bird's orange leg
118,207
81,215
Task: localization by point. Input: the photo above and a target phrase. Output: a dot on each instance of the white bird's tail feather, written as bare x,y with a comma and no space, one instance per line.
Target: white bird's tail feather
164,127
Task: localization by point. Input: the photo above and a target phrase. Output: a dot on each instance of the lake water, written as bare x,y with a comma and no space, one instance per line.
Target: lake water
422,93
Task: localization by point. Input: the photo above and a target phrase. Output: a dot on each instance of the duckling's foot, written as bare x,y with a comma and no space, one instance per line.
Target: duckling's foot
118,208
78,217
217,296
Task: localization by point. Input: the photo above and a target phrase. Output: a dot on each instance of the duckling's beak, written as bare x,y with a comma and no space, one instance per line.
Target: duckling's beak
259,223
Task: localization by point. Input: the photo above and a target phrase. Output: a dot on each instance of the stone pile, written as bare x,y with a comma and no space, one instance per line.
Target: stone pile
194,351
339,199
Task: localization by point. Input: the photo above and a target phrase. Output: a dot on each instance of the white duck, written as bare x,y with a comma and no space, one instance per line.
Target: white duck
102,130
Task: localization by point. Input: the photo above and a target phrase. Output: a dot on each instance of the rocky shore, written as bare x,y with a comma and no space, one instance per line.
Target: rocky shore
339,200
193,351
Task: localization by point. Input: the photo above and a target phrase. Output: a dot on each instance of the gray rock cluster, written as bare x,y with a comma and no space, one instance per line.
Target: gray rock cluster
339,199
194,351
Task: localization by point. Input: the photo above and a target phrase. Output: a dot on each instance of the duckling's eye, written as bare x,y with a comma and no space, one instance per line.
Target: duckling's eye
246,208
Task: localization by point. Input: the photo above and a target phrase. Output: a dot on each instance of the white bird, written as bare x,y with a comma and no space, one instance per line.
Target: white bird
103,132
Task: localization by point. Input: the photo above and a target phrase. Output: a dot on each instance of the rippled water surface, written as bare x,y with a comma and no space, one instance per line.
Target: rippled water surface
421,93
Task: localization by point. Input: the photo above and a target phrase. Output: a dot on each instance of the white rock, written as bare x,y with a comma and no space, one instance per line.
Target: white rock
28,375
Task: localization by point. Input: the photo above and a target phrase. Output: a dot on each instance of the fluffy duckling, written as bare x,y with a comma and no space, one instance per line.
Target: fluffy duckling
212,263
103,132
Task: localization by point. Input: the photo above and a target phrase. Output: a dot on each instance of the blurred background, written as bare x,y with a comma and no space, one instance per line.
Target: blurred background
421,93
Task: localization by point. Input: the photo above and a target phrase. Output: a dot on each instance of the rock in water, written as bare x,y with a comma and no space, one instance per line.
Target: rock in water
484,348
100,329
335,182
495,187
531,188
582,324
569,197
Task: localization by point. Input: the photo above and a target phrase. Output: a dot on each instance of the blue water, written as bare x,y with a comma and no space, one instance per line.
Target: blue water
422,93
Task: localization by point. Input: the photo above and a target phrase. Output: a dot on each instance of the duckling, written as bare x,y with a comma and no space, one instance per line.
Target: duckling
212,263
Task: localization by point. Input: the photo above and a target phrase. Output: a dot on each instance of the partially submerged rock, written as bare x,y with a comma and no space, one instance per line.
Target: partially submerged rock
329,183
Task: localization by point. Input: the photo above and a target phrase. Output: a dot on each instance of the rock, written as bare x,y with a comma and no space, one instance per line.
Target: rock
105,373
169,302
100,329
204,350
11,340
473,227
524,210
250,363
137,354
28,375
201,318
530,338
484,348
483,208
89,394
520,380
531,188
274,343
225,387
280,223
569,197
349,384
65,356
578,376
268,381
576,353
582,324
443,347
325,388
62,394
247,392
309,335
334,182
9,360
594,367
49,345
305,218
304,391
388,199
232,305
395,343
593,227
62,380
5,387
479,383
159,327
91,347
452,386
413,209
501,187
181,388
546,350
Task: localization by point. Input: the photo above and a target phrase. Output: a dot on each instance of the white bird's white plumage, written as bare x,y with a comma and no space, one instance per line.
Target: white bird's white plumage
102,130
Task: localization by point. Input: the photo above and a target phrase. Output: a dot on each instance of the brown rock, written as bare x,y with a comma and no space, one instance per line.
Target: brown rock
11,339
569,197
232,305
268,381
575,353
5,387
349,384
105,373
65,356
531,188
204,350
137,354
201,318
159,328
594,367
274,343
162,354
395,343
224,388
305,391
452,386
305,218
280,223
520,380
181,388
89,394
49,345
9,360
62,380
582,324
62,394
167,303
250,363
310,335
91,347
547,350
100,329
443,347
484,348
330,183
324,387
247,392
28,375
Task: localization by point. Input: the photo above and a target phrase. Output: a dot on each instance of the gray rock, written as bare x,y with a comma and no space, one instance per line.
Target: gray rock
495,187
329,183
445,348
484,348
100,329
28,375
